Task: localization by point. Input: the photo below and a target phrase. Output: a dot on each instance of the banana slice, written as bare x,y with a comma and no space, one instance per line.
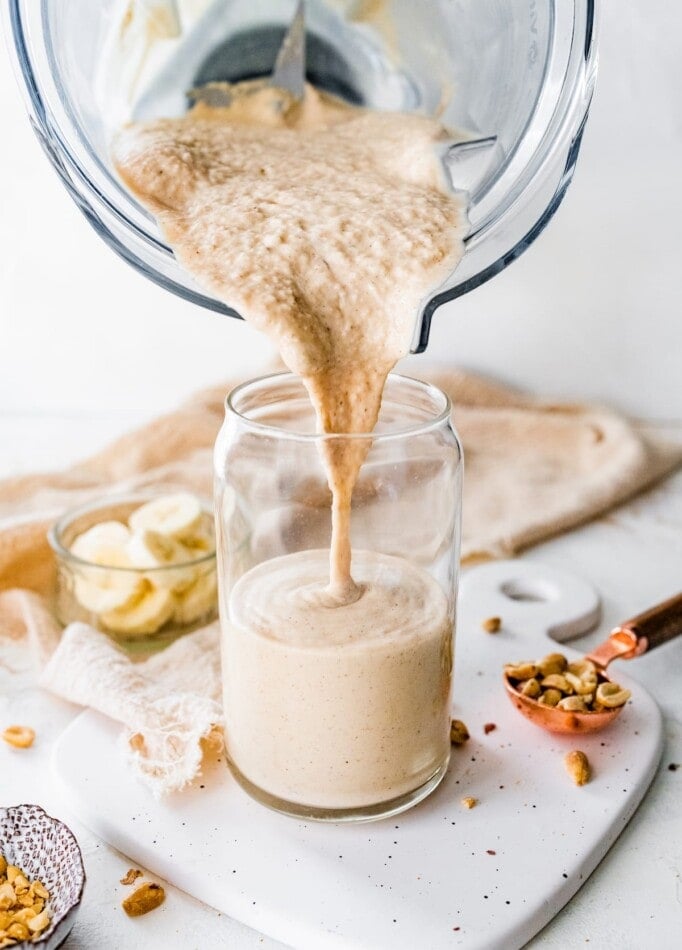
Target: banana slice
104,543
176,516
102,591
152,550
104,587
198,601
202,540
146,615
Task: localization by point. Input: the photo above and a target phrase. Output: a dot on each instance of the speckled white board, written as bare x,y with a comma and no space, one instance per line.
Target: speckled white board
438,876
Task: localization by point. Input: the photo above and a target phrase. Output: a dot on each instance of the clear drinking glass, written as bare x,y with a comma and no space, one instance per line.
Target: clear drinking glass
337,713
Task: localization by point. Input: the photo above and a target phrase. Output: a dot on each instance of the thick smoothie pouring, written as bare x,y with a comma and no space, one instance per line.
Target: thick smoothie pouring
325,226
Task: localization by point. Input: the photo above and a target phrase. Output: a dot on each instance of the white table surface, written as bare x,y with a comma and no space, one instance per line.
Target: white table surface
633,901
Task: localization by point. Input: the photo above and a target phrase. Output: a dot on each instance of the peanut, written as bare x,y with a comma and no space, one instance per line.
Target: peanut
582,684
572,704
470,802
21,737
582,667
577,766
521,671
611,695
530,688
492,624
458,732
552,663
147,897
557,681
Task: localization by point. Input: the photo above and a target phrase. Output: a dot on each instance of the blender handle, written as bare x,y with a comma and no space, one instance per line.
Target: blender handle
655,626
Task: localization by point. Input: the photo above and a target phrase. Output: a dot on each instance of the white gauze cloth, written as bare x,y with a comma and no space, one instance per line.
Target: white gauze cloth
169,704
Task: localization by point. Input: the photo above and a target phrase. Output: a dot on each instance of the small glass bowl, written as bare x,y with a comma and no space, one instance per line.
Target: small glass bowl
185,593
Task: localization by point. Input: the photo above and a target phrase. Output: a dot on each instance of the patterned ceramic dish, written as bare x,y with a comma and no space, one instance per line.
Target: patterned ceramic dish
46,850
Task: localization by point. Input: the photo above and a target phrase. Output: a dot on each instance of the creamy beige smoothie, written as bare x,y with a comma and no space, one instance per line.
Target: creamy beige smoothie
338,707
326,226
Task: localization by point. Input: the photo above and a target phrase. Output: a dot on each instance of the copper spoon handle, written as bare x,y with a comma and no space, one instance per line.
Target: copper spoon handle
650,629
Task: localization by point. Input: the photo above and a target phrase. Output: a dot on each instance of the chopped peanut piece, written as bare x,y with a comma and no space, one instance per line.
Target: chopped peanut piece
18,931
470,802
492,625
131,876
39,923
22,916
39,890
21,737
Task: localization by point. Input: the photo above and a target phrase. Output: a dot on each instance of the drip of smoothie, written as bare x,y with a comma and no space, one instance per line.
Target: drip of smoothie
326,226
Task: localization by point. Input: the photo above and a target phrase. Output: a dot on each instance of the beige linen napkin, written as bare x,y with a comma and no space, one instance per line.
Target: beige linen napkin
533,469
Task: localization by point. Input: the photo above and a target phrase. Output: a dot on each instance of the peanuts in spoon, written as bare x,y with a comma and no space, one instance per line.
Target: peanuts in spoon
571,687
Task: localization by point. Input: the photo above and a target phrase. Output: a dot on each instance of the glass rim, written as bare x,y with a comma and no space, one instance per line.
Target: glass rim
55,533
273,431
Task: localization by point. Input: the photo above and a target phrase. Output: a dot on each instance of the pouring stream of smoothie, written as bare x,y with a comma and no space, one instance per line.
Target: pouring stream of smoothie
326,226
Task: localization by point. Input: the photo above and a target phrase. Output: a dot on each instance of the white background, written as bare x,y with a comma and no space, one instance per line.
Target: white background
593,311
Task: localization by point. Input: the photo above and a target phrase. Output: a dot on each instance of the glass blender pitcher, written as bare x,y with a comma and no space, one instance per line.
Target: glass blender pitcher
516,75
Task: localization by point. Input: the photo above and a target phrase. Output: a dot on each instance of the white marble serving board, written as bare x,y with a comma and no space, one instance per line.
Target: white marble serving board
438,876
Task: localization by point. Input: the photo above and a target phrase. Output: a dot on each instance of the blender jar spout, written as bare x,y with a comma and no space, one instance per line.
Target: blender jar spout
518,76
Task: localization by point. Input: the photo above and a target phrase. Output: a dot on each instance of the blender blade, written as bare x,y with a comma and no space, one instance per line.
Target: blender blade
289,72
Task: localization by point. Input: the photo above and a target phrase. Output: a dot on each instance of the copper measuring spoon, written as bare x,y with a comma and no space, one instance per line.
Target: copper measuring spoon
630,639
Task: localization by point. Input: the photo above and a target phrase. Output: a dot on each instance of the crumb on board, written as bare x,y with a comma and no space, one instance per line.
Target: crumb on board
492,624
131,876
470,802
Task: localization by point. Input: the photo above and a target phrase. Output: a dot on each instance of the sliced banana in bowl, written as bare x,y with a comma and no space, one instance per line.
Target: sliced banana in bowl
138,566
